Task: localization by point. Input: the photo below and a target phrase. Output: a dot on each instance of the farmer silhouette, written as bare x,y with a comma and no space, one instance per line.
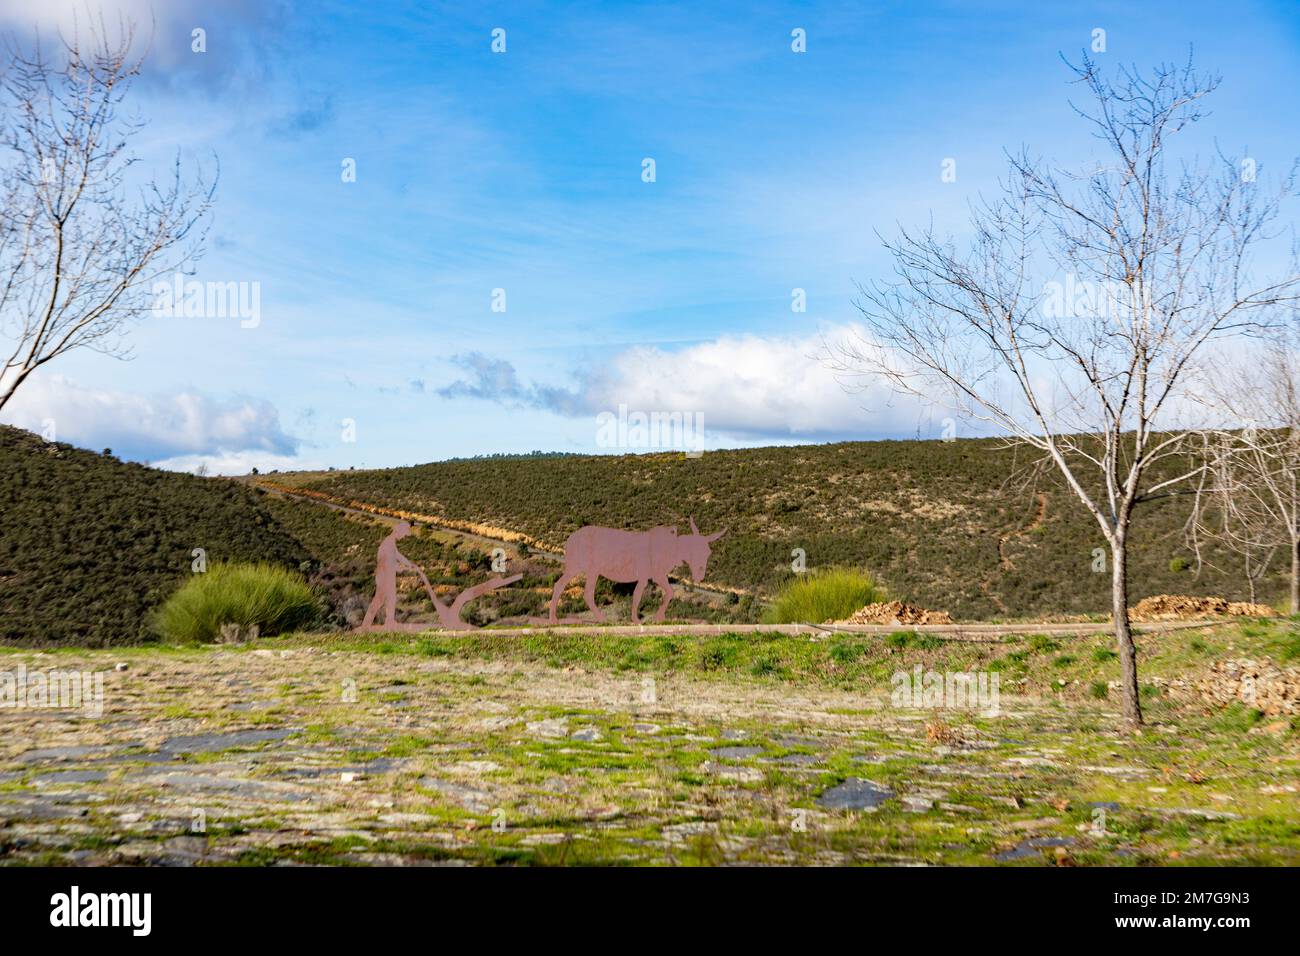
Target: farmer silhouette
390,560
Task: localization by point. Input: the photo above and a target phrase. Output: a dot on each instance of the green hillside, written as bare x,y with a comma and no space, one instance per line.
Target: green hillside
951,525
89,544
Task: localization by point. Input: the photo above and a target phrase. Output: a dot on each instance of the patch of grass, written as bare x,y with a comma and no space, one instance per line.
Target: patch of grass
1237,718
407,745
828,595
847,652
1099,690
1286,646
271,598
901,640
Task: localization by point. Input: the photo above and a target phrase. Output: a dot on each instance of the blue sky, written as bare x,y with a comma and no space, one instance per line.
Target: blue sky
522,171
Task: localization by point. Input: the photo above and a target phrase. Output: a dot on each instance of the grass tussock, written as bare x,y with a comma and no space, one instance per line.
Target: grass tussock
272,599
828,595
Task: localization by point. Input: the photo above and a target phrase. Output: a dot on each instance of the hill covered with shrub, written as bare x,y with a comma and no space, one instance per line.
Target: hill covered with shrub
948,525
89,544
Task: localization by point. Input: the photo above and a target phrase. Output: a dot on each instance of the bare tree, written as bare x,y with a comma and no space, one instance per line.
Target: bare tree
81,241
1153,254
1248,499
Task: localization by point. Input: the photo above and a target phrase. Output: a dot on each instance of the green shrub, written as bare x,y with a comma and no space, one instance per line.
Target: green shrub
272,598
829,595
847,652
1099,689
1042,643
1179,564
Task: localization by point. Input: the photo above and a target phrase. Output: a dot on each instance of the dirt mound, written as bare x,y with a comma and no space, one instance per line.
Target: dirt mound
1175,607
895,612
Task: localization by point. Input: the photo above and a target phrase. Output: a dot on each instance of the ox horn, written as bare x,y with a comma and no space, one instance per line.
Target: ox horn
694,530
714,537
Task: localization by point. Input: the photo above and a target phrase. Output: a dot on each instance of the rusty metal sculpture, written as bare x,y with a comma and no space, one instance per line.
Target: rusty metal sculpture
389,561
627,556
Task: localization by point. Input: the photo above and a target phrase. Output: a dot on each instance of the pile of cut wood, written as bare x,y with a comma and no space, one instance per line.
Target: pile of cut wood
895,612
1177,607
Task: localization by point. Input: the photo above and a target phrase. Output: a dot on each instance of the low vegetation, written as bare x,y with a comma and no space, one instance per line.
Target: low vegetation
829,595
89,545
946,525
269,599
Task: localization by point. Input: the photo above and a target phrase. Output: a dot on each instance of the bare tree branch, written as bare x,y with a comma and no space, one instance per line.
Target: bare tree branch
1148,260
81,240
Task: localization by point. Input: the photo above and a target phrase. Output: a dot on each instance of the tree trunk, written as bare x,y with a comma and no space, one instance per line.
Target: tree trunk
1295,576
1123,634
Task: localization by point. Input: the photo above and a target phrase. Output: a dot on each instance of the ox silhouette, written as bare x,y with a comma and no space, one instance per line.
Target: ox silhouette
627,556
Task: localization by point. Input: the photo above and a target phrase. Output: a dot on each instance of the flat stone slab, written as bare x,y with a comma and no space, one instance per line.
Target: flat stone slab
42,754
798,760
60,777
469,798
553,727
735,753
380,765
27,807
143,757
855,793
740,774
215,743
1032,847
239,787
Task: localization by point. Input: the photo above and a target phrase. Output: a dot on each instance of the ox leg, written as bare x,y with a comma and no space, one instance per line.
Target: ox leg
668,596
589,594
636,600
564,578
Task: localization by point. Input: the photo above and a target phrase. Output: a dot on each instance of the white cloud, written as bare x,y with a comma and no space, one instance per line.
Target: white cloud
750,385
148,427
162,29
237,463
744,386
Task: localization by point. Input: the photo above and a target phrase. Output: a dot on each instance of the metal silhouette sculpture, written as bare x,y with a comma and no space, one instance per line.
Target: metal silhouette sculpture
389,561
627,556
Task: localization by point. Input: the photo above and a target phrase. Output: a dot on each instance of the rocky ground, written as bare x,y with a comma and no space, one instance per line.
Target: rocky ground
466,750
